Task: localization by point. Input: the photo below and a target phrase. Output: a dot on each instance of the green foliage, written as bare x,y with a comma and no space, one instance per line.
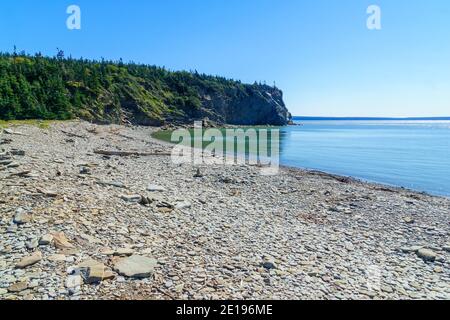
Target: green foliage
37,87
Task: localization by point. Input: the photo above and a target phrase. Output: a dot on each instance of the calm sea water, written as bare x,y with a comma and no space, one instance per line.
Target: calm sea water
411,154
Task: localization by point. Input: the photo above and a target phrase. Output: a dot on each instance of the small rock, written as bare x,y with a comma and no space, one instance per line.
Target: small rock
164,204
179,288
17,152
183,205
427,255
74,281
115,184
438,270
165,210
48,193
135,198
349,246
387,289
410,249
268,263
145,201
32,244
18,287
446,248
97,273
136,266
30,260
46,240
124,252
7,278
155,188
61,242
12,229
85,170
21,217
409,220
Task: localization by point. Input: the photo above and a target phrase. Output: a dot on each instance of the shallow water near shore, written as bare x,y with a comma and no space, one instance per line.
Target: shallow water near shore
410,154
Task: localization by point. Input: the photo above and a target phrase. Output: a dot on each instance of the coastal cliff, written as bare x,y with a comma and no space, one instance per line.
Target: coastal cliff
37,87
257,105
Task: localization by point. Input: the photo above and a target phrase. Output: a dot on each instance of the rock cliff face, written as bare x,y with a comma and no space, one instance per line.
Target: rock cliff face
262,105
255,105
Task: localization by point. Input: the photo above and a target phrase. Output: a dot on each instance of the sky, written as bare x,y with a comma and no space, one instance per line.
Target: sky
320,53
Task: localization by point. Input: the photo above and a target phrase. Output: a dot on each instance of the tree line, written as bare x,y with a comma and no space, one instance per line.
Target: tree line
39,87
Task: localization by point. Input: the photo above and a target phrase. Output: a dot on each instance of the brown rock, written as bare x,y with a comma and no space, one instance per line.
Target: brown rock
89,263
30,260
97,273
18,287
61,242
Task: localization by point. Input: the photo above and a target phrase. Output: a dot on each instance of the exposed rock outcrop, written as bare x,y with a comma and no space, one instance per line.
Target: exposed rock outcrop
262,105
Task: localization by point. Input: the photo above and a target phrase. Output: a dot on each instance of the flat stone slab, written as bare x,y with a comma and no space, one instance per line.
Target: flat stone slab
30,260
135,266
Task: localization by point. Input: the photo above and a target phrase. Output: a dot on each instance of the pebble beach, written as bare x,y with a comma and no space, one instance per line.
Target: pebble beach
101,212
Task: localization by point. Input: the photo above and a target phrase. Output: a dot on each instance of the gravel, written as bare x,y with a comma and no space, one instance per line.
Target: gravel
160,230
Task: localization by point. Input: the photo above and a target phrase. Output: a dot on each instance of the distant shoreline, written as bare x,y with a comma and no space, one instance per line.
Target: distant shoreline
370,118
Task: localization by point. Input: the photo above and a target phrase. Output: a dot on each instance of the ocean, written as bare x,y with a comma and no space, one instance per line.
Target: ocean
414,154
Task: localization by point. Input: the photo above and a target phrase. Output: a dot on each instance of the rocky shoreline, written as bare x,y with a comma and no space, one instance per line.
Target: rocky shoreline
76,223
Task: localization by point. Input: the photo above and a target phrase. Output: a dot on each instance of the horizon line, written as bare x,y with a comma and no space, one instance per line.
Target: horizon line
369,118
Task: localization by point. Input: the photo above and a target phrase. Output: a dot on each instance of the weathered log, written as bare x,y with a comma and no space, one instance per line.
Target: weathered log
130,153
71,134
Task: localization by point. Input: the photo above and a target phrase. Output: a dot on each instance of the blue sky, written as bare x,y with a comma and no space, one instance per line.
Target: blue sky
319,52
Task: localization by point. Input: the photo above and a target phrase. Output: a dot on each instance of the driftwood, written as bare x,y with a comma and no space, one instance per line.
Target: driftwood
20,174
130,153
112,184
11,132
47,193
71,134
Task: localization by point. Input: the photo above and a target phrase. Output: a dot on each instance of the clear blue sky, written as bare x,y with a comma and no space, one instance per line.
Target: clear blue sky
319,52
